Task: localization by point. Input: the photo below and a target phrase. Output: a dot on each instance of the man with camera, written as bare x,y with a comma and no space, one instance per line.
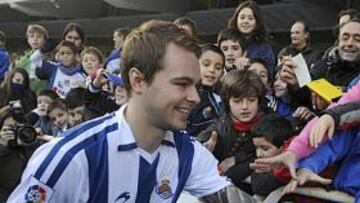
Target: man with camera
17,143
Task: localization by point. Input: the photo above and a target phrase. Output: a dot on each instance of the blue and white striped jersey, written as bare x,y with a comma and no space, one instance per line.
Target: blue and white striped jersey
99,161
112,63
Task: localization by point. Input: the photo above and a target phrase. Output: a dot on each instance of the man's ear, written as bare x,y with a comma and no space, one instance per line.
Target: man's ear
136,78
307,35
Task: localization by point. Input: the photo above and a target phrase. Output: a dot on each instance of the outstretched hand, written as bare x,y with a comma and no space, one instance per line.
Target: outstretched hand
287,159
325,126
303,113
210,144
305,175
226,164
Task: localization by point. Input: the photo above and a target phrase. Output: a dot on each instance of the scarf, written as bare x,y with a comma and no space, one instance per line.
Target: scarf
240,126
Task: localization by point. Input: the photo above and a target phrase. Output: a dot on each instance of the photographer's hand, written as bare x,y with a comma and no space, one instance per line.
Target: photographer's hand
4,110
6,134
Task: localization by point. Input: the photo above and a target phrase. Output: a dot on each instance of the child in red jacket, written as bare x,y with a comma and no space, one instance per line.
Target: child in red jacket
271,135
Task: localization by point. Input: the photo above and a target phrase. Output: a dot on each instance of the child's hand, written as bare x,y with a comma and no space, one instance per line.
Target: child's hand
99,79
303,113
260,168
287,159
324,126
287,73
318,102
305,175
210,144
226,164
241,63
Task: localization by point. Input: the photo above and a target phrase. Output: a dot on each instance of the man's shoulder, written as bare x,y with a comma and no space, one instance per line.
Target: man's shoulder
66,148
84,135
184,135
88,127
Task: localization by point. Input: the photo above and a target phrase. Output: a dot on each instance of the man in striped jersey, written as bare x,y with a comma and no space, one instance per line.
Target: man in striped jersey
138,153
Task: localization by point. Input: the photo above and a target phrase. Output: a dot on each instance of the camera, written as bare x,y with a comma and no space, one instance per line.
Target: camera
24,133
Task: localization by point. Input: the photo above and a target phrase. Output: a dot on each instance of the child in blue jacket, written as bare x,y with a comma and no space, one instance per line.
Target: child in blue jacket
344,147
63,75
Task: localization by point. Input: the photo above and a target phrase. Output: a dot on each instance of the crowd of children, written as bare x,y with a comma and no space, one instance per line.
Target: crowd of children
251,110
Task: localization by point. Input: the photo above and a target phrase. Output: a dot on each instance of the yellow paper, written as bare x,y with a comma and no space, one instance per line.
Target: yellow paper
325,89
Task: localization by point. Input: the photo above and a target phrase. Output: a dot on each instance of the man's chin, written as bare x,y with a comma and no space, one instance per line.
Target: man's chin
350,57
179,126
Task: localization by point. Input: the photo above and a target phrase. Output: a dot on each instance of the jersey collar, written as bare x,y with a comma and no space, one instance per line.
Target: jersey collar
126,141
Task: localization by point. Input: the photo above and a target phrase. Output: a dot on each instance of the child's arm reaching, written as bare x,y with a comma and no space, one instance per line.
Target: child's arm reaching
44,68
340,117
329,152
301,145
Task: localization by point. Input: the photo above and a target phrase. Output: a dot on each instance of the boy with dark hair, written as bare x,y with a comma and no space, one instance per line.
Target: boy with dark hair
91,59
271,135
99,102
258,65
75,102
242,92
232,44
59,116
209,109
39,116
64,75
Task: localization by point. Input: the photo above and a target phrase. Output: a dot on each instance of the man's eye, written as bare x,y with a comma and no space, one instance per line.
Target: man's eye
183,84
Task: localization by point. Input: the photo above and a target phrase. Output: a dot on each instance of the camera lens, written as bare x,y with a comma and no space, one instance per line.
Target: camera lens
27,134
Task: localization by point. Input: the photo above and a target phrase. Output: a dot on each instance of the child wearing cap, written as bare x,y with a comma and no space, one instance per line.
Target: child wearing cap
99,101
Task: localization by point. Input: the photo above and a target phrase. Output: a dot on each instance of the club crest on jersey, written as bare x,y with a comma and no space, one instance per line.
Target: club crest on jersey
163,189
35,194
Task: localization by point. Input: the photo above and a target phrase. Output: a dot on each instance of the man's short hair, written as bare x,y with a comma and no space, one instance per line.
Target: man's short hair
186,21
352,20
32,28
353,13
145,48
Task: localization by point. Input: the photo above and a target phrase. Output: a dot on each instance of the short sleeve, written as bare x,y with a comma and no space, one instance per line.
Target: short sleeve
204,178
